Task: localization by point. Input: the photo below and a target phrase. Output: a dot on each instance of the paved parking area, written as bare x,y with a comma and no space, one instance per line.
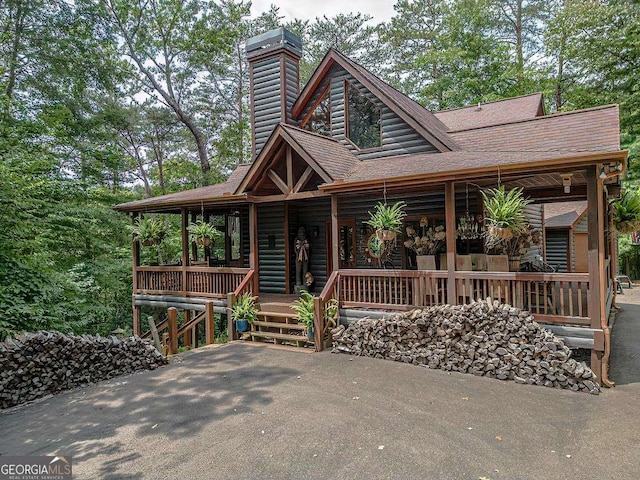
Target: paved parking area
245,412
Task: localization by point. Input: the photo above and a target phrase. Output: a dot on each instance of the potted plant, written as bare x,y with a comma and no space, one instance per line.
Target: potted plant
244,311
506,224
202,233
387,220
304,308
426,243
149,230
505,213
626,212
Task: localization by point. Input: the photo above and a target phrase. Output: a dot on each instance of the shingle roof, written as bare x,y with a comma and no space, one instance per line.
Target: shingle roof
563,214
590,130
196,195
331,155
426,165
508,110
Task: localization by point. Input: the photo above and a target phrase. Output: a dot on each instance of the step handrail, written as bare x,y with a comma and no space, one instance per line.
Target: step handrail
320,325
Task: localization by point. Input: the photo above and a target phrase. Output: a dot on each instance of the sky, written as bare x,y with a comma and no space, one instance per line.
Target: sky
380,10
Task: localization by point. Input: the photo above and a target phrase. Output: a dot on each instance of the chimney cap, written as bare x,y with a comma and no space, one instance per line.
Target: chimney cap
273,40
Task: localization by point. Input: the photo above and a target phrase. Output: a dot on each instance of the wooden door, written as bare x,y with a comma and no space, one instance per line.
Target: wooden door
580,252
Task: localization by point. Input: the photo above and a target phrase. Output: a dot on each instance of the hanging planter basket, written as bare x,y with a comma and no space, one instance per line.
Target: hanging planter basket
386,235
149,243
203,241
503,233
628,226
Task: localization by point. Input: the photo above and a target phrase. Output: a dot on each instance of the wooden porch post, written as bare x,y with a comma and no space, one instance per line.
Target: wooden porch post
287,250
194,247
185,248
335,234
253,245
172,315
187,334
595,226
209,324
450,220
137,314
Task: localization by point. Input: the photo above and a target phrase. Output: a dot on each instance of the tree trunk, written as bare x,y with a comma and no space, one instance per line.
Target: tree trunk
15,47
519,46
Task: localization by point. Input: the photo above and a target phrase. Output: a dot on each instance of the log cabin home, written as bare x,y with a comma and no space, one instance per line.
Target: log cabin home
323,156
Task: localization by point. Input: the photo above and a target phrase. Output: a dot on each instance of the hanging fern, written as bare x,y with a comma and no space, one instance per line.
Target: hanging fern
506,209
387,217
626,212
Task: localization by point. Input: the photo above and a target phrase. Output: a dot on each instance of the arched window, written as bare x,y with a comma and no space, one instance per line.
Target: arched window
363,119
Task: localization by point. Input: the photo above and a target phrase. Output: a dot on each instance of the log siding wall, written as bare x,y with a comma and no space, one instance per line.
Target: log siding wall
397,137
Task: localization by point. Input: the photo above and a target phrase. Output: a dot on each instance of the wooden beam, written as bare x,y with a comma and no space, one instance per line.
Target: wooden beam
231,326
595,301
172,315
209,324
275,178
291,196
450,221
137,320
194,247
154,333
303,179
289,168
187,334
335,234
287,250
253,242
185,248
135,250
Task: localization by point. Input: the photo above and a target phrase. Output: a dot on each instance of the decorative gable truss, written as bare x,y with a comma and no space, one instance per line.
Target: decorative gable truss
293,163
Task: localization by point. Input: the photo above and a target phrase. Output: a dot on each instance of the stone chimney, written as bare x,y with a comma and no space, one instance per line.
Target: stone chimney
274,59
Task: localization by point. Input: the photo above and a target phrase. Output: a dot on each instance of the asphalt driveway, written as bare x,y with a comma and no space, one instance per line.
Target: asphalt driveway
243,411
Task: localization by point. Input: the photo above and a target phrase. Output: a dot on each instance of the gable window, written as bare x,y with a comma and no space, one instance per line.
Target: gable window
319,121
363,119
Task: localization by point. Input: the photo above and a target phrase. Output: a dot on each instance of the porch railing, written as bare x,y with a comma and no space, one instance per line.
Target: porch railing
392,289
189,281
552,297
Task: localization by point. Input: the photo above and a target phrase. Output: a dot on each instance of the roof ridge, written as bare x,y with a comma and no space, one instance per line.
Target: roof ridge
543,117
487,103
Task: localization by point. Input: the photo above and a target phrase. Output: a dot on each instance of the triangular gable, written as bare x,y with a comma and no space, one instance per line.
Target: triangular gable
415,115
312,156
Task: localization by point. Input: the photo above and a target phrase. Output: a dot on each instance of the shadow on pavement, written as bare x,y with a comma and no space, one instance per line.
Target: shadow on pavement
204,388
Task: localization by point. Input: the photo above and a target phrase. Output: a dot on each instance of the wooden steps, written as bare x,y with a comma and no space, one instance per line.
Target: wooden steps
279,338
280,325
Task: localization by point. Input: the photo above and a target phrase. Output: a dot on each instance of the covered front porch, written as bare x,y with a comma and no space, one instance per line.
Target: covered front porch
262,208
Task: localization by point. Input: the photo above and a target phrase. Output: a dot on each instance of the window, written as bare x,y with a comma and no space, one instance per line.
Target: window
320,119
363,119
